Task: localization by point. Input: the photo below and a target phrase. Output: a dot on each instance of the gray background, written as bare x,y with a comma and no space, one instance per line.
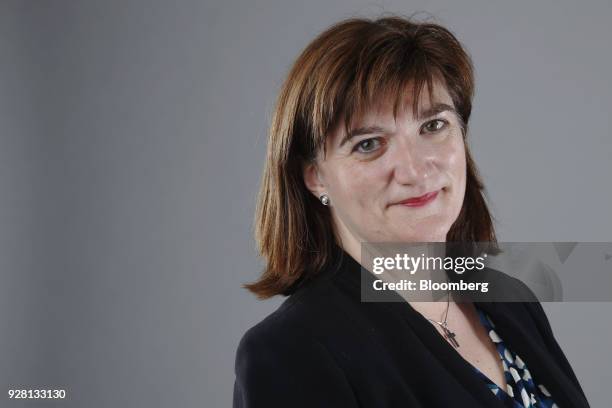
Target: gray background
132,140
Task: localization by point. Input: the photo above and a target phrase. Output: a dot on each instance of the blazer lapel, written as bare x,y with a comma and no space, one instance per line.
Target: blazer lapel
447,356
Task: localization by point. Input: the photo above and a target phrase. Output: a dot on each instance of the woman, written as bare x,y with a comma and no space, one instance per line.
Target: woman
368,144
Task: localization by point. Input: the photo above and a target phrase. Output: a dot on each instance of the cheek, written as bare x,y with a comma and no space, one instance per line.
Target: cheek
457,173
453,159
355,184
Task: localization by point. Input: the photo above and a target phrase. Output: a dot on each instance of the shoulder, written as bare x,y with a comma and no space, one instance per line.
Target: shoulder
298,320
277,356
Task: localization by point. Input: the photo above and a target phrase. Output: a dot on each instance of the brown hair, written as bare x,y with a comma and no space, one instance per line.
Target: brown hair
337,76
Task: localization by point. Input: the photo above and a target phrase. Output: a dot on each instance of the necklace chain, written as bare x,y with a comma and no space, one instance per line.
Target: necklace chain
448,334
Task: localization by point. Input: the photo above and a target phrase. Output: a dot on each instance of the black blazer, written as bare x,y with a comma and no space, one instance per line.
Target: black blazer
323,347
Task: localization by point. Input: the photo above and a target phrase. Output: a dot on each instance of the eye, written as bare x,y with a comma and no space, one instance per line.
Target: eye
434,125
368,145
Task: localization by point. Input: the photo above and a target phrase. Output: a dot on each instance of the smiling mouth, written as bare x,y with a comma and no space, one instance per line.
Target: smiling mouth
420,201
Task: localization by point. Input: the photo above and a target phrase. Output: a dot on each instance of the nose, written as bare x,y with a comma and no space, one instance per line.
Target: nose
412,163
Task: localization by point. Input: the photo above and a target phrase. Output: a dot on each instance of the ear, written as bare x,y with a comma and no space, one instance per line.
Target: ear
312,179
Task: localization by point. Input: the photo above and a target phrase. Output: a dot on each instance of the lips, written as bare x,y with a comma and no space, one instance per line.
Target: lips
421,200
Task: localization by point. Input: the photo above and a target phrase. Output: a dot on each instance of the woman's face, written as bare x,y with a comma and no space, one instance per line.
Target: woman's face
394,180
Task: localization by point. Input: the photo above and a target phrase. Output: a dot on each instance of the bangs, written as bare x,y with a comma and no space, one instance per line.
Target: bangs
395,79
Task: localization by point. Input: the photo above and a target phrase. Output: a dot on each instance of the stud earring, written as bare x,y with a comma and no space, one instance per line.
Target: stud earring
324,199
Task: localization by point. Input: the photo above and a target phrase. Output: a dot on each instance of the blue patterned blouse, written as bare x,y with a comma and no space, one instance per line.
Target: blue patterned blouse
521,391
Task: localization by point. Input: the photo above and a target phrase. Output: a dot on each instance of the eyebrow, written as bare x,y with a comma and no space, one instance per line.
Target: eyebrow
436,109
368,130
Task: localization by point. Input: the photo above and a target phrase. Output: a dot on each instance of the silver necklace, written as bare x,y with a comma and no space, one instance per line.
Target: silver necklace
448,334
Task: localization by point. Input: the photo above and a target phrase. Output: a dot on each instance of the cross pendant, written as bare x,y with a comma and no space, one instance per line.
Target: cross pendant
450,336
